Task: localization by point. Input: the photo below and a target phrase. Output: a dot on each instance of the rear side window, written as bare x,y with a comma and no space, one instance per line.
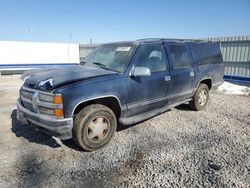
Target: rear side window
180,56
207,53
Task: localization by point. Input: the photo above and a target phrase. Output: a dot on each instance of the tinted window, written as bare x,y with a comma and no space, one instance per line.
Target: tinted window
151,56
206,53
180,56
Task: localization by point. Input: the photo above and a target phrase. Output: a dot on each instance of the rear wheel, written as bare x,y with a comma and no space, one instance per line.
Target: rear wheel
200,98
94,126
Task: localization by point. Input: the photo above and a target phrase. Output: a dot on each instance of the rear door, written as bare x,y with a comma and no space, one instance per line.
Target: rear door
181,71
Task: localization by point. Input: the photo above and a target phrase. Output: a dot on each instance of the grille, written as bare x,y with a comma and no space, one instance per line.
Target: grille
36,101
26,97
26,94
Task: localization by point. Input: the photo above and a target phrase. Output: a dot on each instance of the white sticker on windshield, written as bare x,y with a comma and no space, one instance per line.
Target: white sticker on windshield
123,49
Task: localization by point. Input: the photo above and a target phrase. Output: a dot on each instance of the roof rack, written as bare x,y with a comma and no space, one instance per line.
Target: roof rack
167,40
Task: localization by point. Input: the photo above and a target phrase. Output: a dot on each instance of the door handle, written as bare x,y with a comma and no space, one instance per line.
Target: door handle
167,78
191,74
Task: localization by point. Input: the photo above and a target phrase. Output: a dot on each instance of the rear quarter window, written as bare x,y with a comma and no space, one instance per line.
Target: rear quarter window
207,53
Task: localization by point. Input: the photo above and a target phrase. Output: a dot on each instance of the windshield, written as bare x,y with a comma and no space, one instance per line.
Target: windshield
113,57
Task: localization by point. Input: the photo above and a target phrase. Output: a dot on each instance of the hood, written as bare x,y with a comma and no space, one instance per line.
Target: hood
50,78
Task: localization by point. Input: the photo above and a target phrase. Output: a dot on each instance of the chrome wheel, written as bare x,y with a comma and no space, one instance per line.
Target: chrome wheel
202,97
98,128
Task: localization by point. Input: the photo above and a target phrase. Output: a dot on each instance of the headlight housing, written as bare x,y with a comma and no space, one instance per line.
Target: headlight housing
51,104
45,97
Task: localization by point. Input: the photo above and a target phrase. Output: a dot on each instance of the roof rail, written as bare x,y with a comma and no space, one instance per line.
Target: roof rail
167,40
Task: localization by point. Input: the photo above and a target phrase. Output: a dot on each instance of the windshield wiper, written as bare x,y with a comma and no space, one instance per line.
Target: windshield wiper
102,66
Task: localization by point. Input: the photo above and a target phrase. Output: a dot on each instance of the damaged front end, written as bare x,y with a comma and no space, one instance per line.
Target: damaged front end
47,79
46,84
44,110
40,104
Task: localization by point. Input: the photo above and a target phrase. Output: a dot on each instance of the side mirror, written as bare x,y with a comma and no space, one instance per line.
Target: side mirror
140,71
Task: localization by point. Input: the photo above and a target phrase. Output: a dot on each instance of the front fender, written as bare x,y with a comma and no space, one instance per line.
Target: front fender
80,92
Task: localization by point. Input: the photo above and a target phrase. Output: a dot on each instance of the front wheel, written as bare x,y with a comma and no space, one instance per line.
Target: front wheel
94,126
200,98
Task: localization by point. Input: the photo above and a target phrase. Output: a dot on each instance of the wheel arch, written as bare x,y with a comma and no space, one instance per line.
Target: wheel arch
207,81
110,101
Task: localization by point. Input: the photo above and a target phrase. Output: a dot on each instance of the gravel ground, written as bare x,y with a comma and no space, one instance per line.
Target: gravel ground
180,148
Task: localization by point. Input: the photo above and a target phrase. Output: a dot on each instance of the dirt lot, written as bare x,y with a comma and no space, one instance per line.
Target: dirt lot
180,148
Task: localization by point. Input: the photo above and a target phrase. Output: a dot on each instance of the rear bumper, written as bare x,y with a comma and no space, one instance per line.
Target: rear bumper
61,128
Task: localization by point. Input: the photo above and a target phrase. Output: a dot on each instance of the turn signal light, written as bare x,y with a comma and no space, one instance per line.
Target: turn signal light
57,99
58,112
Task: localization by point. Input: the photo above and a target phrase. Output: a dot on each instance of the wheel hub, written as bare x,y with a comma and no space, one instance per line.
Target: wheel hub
98,128
202,97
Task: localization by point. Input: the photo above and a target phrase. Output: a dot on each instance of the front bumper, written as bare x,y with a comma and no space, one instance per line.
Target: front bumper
61,128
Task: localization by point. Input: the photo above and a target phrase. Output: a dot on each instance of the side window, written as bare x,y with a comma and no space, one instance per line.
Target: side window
180,56
206,53
151,56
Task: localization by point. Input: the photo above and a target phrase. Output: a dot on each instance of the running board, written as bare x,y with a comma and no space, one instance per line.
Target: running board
141,117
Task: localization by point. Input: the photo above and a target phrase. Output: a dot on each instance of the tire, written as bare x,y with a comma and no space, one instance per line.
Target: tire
200,98
94,127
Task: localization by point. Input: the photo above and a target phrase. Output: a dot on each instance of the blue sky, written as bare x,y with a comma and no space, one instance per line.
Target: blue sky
114,20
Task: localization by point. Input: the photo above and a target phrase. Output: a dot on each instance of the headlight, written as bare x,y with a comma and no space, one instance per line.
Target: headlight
46,98
56,99
47,111
51,104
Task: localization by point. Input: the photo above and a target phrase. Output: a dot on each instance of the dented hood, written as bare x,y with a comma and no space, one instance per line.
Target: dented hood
50,78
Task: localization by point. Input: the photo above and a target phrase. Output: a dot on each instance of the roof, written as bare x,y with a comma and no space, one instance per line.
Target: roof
153,40
166,40
145,40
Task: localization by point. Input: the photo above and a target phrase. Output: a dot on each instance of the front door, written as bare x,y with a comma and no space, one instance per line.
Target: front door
181,70
146,93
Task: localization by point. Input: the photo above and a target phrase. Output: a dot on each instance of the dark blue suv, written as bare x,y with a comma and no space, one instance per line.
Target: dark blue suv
125,82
